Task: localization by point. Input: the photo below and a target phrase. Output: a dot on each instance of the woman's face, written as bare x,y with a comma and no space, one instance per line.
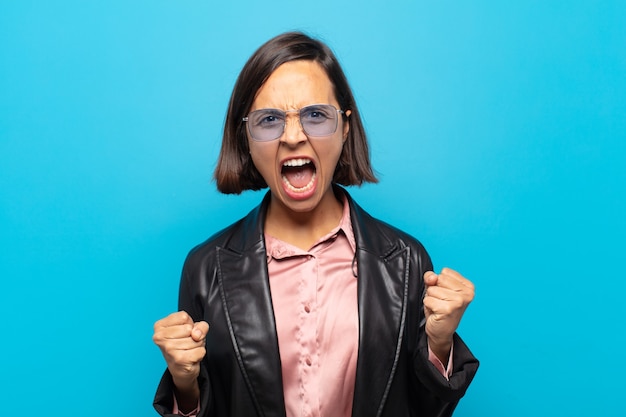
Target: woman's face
297,168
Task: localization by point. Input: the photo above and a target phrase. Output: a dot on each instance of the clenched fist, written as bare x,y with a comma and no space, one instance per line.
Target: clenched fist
182,343
447,296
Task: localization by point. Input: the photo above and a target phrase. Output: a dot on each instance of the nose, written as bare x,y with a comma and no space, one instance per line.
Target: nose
293,132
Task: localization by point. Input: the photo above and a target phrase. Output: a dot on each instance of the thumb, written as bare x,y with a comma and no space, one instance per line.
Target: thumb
199,331
430,278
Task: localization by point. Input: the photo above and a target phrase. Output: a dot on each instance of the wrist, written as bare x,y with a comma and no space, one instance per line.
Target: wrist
185,385
440,348
187,394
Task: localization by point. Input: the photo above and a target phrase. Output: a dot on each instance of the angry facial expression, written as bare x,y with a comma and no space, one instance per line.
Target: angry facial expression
297,168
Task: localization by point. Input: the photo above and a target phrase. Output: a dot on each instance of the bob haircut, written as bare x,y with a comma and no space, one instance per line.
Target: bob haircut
235,172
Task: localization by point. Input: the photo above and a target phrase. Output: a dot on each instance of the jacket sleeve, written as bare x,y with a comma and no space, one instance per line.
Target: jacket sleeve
437,396
163,399
435,393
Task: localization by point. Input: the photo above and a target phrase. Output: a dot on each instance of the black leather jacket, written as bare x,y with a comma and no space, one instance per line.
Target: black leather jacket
225,282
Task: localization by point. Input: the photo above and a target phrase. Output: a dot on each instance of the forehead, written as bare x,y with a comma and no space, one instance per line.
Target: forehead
294,85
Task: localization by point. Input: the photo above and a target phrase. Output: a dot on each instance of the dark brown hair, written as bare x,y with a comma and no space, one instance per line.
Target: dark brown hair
235,171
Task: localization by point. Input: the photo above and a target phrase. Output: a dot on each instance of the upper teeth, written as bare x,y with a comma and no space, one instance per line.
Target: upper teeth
297,162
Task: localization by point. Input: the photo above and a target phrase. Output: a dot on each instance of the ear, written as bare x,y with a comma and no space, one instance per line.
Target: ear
346,125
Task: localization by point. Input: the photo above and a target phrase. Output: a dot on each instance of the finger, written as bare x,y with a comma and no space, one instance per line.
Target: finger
174,345
197,354
448,272
444,308
456,295
200,330
185,361
174,332
442,293
174,319
449,278
447,303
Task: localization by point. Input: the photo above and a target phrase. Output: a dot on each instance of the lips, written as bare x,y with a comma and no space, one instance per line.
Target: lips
298,175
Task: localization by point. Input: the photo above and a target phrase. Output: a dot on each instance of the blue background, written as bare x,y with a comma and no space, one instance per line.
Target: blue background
498,130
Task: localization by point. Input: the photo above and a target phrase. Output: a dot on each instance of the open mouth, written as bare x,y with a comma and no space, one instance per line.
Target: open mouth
298,174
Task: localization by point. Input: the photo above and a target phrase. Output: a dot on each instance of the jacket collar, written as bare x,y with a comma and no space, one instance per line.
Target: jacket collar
382,296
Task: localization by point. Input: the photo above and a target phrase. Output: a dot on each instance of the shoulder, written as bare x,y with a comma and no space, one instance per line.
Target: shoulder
373,232
236,237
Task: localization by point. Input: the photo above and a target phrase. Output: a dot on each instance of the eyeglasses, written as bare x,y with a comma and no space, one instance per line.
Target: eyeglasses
265,125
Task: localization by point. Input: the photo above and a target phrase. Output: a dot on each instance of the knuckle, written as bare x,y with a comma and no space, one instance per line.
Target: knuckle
177,357
197,354
188,367
448,309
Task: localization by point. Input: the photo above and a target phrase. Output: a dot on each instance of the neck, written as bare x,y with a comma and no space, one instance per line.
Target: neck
303,229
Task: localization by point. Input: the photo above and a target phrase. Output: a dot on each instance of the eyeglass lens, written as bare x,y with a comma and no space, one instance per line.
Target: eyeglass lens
269,124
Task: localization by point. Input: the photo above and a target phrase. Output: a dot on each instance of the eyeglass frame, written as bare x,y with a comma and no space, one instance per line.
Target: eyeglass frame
246,120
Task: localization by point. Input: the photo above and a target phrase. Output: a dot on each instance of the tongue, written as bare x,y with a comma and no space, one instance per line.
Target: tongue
298,177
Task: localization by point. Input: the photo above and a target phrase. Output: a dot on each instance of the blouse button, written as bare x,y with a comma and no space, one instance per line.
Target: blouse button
307,309
308,361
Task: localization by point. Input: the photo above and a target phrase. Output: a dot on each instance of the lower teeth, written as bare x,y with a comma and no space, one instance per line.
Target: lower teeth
299,190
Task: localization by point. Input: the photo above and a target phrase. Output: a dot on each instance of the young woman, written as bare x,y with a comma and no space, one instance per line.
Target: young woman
308,306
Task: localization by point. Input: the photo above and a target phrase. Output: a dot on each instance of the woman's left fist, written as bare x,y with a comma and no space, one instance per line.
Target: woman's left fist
447,297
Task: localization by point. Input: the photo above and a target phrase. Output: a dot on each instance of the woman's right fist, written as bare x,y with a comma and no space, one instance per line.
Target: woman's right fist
182,343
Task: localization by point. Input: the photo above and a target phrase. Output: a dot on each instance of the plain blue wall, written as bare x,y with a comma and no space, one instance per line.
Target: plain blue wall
498,129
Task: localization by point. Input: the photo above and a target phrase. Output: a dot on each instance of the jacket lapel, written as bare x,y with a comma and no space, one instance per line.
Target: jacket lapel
382,292
382,297
246,297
